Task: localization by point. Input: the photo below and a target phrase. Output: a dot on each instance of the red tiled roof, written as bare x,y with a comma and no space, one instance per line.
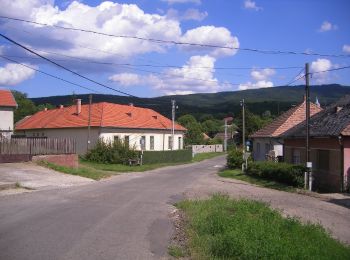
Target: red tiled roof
286,121
7,99
102,114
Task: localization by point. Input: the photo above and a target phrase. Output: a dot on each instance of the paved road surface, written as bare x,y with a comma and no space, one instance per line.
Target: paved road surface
127,217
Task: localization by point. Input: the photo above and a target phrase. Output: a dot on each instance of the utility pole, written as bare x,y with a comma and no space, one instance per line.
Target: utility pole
243,130
307,97
173,123
225,140
89,123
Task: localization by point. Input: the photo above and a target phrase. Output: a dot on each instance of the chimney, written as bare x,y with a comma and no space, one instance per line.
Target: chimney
131,104
78,106
61,106
45,109
337,109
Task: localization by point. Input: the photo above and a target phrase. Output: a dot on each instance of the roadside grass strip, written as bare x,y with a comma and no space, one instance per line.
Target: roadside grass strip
223,228
238,175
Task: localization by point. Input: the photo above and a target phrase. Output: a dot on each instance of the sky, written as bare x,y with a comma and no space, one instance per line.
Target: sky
146,68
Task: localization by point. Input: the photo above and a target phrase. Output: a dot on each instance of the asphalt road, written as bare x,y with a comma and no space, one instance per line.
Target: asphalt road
125,217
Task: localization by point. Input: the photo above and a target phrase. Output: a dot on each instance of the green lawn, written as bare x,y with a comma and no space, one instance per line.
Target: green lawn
237,174
222,228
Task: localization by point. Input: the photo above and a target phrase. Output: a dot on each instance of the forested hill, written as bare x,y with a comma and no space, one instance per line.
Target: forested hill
219,104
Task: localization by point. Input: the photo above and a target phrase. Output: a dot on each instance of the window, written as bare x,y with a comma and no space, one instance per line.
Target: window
116,138
143,143
151,142
296,157
126,140
170,143
323,160
180,145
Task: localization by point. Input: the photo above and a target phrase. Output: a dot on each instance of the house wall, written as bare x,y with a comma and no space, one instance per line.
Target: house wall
6,122
80,134
325,155
161,137
259,154
346,143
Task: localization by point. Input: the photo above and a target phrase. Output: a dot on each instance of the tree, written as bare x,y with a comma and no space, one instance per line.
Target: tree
212,126
194,131
25,106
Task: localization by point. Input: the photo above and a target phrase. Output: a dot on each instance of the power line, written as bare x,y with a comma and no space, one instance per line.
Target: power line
180,43
340,68
63,67
296,78
48,74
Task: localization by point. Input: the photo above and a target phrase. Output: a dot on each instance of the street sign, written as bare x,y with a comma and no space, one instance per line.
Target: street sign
246,156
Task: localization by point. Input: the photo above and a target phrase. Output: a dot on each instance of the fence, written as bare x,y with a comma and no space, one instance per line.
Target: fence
207,148
37,146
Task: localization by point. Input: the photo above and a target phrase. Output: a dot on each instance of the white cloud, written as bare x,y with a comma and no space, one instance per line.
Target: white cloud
258,84
346,48
262,74
321,65
248,4
189,14
126,79
13,74
327,26
171,2
211,35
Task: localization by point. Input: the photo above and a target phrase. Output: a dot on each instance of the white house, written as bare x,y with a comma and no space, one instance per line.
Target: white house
268,141
7,106
142,128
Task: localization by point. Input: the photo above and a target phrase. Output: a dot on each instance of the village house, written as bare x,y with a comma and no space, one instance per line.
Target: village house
142,128
7,106
329,146
268,141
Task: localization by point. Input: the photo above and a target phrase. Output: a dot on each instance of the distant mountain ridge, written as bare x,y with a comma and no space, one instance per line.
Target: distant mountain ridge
276,100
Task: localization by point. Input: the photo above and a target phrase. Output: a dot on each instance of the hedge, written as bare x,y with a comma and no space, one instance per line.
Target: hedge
289,174
151,157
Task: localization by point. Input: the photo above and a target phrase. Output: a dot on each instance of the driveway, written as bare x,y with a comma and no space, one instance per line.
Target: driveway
32,176
127,216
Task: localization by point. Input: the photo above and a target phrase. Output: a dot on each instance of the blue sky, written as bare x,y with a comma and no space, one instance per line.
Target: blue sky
162,69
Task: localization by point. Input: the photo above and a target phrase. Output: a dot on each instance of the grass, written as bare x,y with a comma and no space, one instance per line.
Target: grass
221,228
238,175
175,251
203,156
81,171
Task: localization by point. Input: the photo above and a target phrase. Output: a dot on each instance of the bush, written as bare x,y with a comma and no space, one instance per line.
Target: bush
235,159
111,152
289,174
151,157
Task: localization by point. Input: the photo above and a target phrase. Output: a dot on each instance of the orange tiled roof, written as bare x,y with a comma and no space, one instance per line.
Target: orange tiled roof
286,121
7,99
102,114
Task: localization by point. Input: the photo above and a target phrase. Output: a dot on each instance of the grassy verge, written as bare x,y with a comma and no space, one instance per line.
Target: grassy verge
81,171
221,228
238,175
203,156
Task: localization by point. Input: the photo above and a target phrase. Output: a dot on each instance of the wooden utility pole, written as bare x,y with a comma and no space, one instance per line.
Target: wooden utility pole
243,135
225,140
173,123
307,101
89,123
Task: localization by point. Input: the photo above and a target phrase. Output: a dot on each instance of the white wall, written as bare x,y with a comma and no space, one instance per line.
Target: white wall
6,119
80,134
273,143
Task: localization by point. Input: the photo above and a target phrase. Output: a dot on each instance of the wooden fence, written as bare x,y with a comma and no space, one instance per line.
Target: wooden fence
37,146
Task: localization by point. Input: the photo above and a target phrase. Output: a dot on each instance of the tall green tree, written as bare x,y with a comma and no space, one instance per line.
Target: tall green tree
194,134
25,106
212,126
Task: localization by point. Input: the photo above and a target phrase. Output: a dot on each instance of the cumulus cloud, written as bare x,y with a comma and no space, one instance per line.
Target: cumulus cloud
327,26
171,2
346,48
197,75
248,4
321,65
211,35
261,77
189,14
13,74
126,79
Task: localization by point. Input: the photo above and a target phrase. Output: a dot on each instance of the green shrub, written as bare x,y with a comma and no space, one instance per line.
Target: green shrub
235,159
106,151
289,174
151,157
